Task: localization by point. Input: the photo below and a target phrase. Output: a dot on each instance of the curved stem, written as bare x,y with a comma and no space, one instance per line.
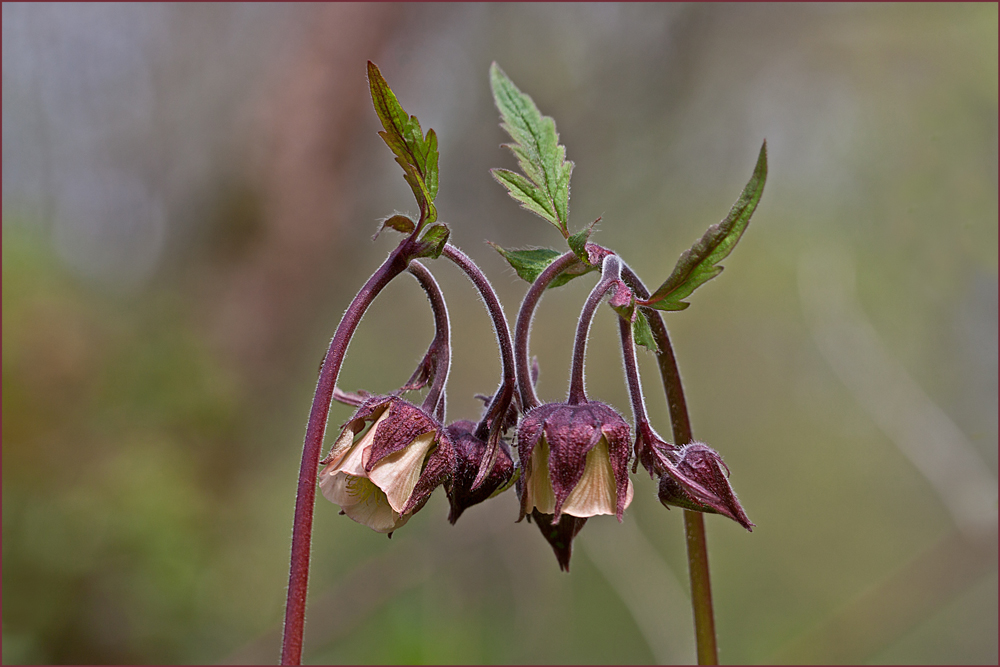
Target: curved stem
632,374
666,361
522,328
694,523
491,421
441,345
298,575
610,276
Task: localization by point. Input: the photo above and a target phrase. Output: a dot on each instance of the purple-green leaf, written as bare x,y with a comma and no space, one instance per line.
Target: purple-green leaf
699,264
578,242
433,241
416,154
400,223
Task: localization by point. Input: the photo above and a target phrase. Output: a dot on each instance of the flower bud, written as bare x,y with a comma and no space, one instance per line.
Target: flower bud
699,481
469,453
383,478
575,461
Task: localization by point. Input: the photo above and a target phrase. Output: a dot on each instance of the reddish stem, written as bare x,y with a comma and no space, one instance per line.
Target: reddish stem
298,575
441,345
694,523
522,328
496,411
610,276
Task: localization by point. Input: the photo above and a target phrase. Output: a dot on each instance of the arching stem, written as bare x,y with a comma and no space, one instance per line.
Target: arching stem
298,575
610,278
505,393
440,348
522,328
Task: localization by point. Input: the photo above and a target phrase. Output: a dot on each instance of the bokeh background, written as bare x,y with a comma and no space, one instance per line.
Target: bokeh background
189,195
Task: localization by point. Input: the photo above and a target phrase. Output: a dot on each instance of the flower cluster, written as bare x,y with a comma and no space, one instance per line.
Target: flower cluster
568,461
573,457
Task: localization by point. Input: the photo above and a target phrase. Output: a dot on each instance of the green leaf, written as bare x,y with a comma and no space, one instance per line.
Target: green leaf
545,190
578,242
398,222
698,264
524,191
529,264
416,154
433,241
642,334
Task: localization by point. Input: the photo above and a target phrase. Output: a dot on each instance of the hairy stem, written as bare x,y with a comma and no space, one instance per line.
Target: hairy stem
522,328
298,575
610,276
503,395
441,345
632,374
694,524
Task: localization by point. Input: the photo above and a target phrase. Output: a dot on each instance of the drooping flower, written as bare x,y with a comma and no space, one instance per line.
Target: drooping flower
469,453
575,461
382,478
693,477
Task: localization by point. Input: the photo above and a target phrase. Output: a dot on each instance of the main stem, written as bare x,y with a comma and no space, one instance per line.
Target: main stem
298,575
694,522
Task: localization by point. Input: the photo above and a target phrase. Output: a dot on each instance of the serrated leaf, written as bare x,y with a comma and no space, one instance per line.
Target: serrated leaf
525,192
545,190
642,334
578,242
433,241
416,154
529,264
699,264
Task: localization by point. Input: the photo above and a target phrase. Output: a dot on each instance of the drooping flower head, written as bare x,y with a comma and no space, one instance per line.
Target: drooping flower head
382,478
693,477
469,453
575,460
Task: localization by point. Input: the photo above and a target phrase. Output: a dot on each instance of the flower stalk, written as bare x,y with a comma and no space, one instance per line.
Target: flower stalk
694,522
298,575
522,328
438,356
610,280
495,418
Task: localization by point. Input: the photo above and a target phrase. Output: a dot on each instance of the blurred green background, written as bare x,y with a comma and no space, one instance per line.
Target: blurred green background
189,197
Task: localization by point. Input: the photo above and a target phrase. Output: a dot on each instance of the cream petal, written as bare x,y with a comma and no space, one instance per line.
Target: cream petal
538,486
595,493
353,461
343,489
374,510
398,473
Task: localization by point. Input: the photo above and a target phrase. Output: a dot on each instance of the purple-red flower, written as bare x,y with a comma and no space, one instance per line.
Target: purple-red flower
382,478
559,534
469,453
695,477
575,461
